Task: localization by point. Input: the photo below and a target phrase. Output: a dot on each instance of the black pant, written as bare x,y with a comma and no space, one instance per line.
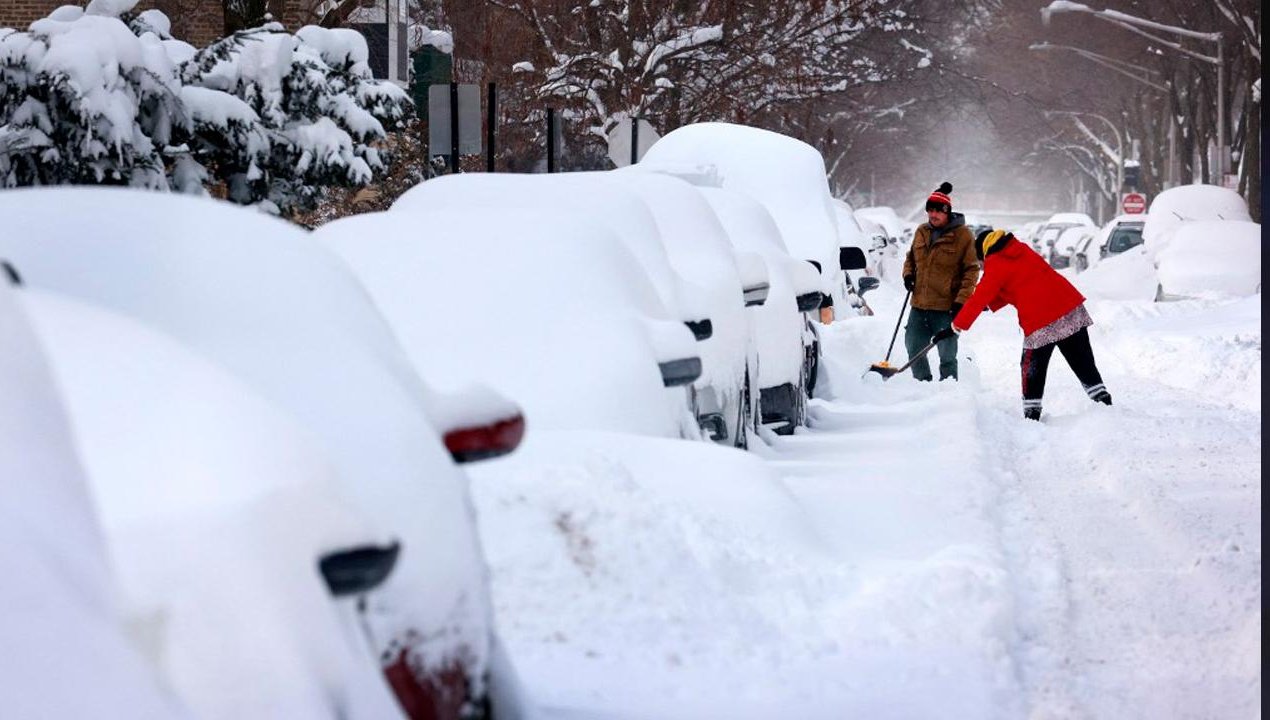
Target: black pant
1079,355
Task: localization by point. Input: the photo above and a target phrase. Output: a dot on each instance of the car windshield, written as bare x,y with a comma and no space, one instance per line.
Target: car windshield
1124,237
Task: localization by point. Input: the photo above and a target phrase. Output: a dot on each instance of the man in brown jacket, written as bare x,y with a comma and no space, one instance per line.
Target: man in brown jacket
940,270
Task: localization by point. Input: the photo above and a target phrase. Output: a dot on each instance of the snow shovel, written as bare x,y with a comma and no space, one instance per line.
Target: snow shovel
888,371
884,367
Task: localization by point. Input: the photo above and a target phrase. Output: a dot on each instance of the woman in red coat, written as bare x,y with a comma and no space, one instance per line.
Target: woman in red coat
1051,312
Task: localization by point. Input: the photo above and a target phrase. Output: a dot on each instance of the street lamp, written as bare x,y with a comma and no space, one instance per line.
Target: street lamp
1135,25
1119,145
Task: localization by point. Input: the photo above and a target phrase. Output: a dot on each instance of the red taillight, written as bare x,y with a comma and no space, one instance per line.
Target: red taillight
485,441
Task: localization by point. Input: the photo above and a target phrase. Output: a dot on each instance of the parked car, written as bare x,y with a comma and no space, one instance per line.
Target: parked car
1048,233
60,590
224,523
1210,258
1063,252
886,218
546,308
259,297
1189,203
1119,235
699,248
784,174
593,195
783,329
717,308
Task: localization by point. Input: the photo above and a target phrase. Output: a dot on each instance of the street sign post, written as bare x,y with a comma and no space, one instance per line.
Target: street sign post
454,109
628,141
1133,203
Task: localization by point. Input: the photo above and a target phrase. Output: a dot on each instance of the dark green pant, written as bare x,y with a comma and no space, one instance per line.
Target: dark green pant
922,326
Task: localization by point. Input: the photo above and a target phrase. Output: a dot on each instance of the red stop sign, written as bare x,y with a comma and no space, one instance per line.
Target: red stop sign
1133,203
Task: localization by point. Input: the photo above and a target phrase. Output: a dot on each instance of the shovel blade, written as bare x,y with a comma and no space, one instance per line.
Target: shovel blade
885,371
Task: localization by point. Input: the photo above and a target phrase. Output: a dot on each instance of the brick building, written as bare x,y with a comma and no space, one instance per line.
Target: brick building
197,22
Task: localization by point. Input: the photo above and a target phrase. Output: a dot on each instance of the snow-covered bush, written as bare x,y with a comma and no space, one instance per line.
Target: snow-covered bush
84,100
99,95
311,95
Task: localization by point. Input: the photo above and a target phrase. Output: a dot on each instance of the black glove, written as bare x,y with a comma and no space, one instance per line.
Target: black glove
945,334
956,308
910,282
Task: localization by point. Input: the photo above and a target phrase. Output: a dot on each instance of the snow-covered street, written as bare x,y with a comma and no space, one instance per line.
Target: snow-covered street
922,551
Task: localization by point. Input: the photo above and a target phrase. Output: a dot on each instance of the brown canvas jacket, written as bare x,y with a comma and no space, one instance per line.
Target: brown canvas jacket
947,270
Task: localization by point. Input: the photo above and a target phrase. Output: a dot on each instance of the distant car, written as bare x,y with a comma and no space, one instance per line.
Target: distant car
1048,233
258,296
1189,203
1210,259
886,218
1063,252
1120,234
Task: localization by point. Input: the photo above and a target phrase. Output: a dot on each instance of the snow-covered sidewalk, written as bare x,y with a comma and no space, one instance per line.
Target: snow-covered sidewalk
921,551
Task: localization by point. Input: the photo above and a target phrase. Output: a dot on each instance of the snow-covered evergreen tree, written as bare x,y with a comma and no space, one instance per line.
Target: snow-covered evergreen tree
99,95
85,100
314,101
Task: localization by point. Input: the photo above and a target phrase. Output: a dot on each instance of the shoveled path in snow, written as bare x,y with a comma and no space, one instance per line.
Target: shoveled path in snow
1103,563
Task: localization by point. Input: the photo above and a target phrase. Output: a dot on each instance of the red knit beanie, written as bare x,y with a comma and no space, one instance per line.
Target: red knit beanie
939,199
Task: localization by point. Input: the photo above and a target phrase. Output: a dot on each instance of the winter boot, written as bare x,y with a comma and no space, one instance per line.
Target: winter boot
1032,413
1103,397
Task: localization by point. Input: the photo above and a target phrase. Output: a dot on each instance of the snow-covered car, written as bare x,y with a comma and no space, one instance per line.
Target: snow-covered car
886,217
1189,203
699,249
591,195
1063,252
782,327
548,309
784,174
600,197
60,591
1210,259
258,296
224,523
872,240
1046,235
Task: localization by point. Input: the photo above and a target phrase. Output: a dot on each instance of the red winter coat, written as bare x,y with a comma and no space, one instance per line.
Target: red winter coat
1016,275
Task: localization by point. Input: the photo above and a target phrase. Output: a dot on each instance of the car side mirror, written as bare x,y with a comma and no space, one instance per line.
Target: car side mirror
12,273
852,258
808,302
358,570
865,284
